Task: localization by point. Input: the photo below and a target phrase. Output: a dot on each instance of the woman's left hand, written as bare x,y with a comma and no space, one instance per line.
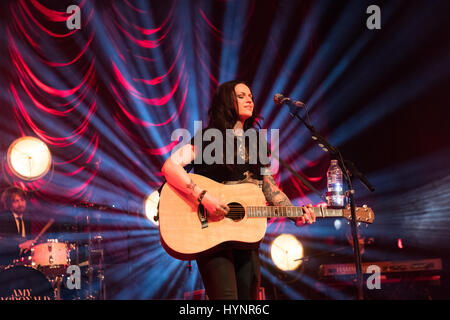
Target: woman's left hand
308,216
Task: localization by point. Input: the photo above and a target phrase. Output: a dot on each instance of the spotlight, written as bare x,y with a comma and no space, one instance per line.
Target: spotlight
29,158
286,250
151,206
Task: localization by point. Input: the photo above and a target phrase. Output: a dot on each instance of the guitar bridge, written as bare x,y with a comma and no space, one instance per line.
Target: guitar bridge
202,216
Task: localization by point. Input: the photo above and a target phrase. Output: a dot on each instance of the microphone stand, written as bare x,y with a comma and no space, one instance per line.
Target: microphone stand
349,170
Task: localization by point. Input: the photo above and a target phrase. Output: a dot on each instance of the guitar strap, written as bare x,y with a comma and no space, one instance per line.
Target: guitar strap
202,216
156,217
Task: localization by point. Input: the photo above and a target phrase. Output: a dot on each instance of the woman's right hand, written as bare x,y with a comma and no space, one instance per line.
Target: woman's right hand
216,210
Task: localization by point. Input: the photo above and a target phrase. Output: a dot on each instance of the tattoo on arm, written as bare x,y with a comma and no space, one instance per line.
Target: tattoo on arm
191,186
285,202
266,188
273,194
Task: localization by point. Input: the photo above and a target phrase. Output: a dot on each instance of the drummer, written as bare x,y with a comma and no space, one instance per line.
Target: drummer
15,226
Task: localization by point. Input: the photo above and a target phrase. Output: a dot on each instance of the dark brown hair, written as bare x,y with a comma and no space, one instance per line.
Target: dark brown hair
222,114
8,194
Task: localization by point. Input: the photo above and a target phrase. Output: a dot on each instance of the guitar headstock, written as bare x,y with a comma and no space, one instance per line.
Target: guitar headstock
363,214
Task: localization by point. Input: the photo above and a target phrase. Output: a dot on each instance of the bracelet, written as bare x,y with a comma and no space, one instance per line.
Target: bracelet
200,197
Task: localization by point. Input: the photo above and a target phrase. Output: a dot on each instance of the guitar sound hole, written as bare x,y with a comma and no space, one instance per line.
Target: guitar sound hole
237,212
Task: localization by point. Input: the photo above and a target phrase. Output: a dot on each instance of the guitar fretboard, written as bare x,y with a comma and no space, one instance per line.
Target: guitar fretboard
290,211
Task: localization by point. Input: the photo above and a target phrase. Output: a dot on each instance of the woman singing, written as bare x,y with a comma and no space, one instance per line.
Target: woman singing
228,273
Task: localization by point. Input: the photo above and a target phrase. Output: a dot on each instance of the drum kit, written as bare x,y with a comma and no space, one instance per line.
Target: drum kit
51,269
38,275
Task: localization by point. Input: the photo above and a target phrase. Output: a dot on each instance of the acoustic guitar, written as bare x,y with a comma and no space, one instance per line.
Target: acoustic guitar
185,232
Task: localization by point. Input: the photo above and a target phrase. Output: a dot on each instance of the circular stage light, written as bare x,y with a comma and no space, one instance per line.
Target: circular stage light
151,206
285,251
29,158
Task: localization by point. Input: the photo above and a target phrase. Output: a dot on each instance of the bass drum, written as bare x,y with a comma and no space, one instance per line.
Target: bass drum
24,283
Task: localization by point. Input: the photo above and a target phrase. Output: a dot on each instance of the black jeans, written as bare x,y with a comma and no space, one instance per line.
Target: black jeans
231,274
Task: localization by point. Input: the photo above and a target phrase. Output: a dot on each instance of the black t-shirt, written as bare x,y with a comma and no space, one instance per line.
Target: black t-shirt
222,171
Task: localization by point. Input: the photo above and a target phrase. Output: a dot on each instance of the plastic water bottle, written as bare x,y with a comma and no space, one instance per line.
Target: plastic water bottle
335,194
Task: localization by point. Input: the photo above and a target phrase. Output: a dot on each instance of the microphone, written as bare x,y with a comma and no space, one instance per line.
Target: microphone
280,99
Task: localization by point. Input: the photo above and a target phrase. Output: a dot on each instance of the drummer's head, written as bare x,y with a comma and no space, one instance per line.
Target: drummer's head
14,199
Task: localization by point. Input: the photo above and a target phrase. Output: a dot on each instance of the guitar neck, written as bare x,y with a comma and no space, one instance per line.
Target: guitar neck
291,211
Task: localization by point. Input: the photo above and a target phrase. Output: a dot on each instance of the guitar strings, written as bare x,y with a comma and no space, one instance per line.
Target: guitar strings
237,211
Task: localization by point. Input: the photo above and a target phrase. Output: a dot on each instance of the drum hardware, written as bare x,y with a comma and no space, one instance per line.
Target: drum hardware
95,270
90,254
49,259
56,284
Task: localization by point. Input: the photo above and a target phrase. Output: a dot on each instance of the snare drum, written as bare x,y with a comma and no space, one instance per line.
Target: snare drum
51,257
